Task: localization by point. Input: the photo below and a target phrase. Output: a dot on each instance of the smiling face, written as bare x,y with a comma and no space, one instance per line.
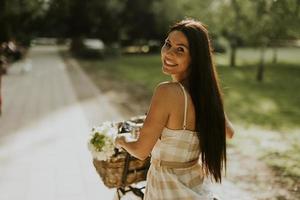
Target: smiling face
175,56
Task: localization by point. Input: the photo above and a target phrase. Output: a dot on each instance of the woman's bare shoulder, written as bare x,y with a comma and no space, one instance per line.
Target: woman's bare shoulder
167,88
167,94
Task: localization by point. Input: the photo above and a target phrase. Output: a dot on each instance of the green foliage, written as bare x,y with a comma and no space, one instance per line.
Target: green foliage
272,104
138,20
98,140
260,21
242,22
17,18
57,14
144,70
167,12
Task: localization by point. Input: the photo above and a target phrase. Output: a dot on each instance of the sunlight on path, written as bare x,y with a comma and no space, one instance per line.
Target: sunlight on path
44,132
49,160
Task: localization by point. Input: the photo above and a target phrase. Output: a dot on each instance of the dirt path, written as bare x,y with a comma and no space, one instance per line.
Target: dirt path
247,178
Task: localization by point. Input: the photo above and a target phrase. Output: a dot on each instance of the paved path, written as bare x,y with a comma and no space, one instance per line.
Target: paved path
44,130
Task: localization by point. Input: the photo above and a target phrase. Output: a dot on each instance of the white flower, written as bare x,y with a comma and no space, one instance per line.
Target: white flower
101,143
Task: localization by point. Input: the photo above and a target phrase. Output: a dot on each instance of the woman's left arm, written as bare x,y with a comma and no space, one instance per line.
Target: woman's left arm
229,128
154,123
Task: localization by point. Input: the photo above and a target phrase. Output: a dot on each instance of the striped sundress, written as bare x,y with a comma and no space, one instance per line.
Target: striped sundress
175,173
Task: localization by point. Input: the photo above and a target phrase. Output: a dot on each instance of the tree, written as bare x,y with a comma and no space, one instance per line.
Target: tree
108,20
285,18
272,21
232,20
138,21
4,33
78,19
55,22
258,23
17,17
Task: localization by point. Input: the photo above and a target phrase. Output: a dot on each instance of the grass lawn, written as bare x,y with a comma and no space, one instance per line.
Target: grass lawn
271,105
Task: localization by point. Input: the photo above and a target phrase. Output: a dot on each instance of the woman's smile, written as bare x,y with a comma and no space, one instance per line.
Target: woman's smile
169,63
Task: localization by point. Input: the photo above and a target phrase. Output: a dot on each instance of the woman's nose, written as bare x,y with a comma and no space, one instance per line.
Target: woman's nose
170,51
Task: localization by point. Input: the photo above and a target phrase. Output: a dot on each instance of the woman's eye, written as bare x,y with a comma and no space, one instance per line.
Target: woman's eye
167,44
180,49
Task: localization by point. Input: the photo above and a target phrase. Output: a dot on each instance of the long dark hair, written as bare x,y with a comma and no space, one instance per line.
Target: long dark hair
206,95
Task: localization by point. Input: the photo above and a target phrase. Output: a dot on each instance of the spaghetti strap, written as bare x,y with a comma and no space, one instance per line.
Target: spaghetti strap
185,106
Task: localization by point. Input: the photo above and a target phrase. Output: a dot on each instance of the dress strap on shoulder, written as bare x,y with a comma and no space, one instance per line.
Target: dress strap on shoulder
185,106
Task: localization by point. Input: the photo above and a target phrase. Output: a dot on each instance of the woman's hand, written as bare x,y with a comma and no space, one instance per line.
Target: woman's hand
229,129
120,141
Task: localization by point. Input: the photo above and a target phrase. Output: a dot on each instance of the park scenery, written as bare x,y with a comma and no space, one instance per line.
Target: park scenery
68,65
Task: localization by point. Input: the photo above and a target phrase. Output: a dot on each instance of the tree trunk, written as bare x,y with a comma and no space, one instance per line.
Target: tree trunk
261,66
274,55
76,44
232,55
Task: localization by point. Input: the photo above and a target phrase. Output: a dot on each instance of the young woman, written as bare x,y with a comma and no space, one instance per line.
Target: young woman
185,129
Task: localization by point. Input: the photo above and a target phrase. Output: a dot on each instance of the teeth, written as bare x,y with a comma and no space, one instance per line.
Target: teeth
170,63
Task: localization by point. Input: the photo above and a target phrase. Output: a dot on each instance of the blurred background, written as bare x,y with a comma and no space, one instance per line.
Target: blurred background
66,65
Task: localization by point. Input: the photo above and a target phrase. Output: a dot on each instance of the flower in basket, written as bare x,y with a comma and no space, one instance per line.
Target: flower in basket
101,143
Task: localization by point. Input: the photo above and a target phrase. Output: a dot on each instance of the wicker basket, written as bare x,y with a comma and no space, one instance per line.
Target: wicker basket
122,169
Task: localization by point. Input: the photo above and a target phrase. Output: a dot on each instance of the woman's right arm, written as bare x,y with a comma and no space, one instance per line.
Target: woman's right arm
154,123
